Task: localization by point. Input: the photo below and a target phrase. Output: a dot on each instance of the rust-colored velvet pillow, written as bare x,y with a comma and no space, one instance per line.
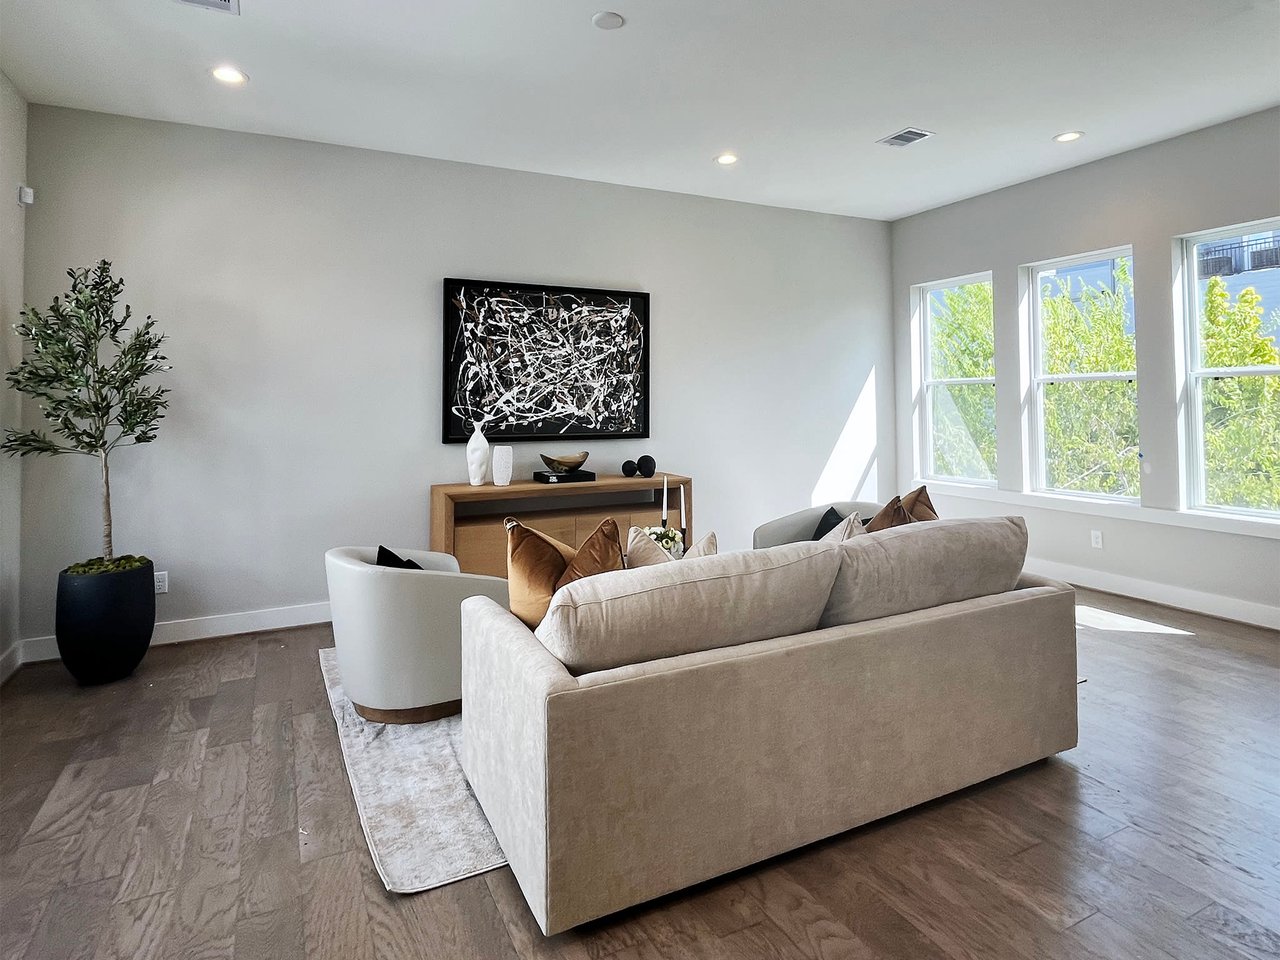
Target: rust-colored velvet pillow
918,505
892,514
539,565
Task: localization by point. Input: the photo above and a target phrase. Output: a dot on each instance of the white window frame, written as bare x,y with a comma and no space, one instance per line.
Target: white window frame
928,382
1196,480
1039,460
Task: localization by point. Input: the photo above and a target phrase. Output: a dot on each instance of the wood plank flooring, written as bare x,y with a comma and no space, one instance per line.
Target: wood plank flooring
200,810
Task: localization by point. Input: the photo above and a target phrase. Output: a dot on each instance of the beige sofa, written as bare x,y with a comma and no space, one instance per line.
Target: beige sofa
654,750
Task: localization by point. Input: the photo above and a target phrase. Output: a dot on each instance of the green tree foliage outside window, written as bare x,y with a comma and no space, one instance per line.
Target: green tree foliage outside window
962,416
1240,413
1090,427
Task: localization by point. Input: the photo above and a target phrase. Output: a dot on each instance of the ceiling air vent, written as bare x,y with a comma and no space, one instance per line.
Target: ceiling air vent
226,6
904,138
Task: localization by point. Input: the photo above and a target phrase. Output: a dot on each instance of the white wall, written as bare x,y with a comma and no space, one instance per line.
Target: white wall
13,171
1216,177
300,284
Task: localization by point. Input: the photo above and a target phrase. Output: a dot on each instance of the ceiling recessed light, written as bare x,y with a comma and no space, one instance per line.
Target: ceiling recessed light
231,76
727,159
1069,136
608,20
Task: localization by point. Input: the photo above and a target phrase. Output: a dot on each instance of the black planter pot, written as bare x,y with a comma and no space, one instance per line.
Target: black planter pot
104,622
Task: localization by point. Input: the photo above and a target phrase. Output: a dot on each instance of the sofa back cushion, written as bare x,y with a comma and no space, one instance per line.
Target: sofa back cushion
921,565
664,610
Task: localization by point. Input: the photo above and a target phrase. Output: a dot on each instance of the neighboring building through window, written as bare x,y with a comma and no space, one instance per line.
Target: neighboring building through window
1084,373
959,411
1233,312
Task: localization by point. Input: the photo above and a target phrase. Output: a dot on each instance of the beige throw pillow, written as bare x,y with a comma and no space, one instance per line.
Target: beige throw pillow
851,526
643,552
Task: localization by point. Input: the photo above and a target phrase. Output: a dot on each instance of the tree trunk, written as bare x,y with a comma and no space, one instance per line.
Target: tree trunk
107,551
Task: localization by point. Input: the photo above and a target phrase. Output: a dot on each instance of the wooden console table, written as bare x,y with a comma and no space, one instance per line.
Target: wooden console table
467,521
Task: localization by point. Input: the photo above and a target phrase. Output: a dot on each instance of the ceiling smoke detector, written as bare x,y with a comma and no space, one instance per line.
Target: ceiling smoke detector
226,6
904,138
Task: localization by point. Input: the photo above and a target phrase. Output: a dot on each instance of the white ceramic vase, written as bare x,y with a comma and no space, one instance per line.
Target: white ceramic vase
477,455
502,460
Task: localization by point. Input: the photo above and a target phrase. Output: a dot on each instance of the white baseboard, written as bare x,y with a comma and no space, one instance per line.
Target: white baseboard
1213,604
10,660
197,628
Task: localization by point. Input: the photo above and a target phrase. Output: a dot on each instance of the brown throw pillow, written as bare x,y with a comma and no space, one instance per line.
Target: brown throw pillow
539,565
892,514
918,505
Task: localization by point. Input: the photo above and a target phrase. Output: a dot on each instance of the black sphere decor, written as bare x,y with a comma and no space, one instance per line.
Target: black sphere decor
647,466
104,622
629,468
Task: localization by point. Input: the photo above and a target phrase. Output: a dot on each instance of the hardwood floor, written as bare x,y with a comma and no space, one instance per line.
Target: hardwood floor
200,810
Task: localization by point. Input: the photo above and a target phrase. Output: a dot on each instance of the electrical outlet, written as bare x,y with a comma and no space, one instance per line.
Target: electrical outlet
162,581
1095,539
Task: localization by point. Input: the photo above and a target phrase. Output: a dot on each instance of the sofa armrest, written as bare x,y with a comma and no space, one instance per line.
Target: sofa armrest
507,678
799,526
1028,580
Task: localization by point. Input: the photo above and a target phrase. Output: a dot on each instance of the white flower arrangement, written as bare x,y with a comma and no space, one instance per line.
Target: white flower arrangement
668,538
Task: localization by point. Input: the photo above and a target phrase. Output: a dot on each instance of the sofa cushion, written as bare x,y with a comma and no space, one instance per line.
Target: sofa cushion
918,505
538,565
827,522
388,558
664,610
892,514
642,551
850,526
921,565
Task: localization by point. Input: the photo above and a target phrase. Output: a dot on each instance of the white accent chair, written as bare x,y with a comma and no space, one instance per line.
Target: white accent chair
398,633
800,525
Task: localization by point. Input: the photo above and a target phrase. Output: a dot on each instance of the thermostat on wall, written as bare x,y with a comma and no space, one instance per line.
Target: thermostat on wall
26,196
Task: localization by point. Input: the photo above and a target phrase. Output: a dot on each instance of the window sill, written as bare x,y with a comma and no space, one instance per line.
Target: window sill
1263,527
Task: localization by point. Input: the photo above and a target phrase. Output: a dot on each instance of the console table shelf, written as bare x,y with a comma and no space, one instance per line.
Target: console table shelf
467,521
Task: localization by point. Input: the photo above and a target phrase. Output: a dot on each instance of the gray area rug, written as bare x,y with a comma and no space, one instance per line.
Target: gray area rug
423,823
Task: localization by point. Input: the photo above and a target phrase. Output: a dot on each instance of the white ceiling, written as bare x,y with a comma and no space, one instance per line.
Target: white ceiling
800,89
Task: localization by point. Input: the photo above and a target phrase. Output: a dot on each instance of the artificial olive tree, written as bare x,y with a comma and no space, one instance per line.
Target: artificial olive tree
88,373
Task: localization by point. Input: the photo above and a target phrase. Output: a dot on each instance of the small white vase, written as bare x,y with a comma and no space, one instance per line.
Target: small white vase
502,459
477,455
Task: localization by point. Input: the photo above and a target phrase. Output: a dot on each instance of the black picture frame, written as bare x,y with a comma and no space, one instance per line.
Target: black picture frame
580,346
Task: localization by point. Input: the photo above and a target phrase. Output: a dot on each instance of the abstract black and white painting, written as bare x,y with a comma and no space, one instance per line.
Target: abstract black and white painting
538,363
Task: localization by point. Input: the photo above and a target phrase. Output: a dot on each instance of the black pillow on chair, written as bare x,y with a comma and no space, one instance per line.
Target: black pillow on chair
388,559
830,520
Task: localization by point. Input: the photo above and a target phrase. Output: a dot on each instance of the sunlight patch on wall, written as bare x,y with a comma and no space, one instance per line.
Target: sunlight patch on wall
850,473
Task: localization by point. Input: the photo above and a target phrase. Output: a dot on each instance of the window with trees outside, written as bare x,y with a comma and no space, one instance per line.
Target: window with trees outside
1085,392
1233,310
958,336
